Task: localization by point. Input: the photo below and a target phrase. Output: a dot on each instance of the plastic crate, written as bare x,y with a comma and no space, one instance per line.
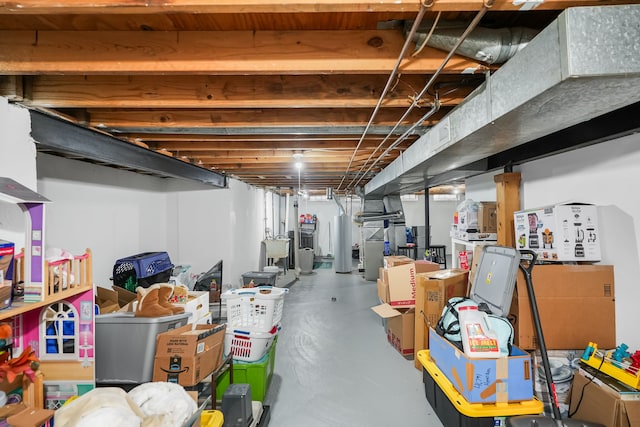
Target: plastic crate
248,346
257,374
455,411
254,309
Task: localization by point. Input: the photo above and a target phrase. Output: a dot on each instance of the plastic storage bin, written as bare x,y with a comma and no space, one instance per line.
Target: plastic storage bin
260,278
143,269
125,346
452,408
254,309
248,346
257,374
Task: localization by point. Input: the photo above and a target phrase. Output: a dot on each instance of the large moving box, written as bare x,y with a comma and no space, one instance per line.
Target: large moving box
433,290
576,305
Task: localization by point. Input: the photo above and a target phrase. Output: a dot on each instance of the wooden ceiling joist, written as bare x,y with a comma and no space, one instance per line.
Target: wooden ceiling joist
97,7
224,144
130,118
329,91
217,52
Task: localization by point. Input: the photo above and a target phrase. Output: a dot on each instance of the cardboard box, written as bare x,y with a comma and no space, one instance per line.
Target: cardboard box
601,404
480,218
475,260
115,299
487,217
383,291
562,232
576,305
433,290
424,266
396,260
186,356
107,300
382,275
480,380
402,285
400,324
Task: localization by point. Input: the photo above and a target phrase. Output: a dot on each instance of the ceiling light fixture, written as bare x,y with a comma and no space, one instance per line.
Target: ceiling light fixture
298,160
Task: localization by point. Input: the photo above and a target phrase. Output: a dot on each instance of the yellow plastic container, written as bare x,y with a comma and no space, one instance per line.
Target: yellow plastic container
608,366
477,410
211,419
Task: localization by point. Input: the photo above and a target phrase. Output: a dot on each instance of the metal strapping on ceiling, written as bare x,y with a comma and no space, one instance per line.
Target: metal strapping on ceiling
584,65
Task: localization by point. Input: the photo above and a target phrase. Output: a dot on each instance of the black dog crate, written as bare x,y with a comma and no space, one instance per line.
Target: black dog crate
143,269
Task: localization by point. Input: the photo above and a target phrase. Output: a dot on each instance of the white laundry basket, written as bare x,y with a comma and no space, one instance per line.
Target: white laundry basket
254,309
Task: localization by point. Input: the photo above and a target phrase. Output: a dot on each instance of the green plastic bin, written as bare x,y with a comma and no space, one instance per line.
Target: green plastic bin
256,374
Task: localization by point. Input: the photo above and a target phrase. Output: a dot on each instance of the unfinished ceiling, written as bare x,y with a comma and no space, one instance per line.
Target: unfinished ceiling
237,88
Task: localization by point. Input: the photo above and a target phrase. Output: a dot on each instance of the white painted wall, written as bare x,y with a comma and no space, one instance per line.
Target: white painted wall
18,162
605,175
213,224
326,210
118,214
440,218
114,213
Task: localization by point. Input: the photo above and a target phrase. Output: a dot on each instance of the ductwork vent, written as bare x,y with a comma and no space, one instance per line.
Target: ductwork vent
492,46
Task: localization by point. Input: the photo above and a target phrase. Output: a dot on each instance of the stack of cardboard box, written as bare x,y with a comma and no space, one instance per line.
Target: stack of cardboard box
413,294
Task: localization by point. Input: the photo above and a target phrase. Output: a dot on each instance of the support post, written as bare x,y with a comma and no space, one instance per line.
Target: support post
507,202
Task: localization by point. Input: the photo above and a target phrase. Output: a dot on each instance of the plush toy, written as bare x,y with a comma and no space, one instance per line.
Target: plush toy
27,363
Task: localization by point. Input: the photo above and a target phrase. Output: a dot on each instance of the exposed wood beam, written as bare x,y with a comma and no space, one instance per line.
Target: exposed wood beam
127,118
175,142
273,155
217,52
97,7
345,91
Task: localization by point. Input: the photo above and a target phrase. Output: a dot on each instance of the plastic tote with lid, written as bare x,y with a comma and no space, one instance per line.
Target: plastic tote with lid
478,340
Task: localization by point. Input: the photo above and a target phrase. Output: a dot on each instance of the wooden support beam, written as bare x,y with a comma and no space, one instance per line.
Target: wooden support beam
103,7
217,53
197,91
508,202
183,118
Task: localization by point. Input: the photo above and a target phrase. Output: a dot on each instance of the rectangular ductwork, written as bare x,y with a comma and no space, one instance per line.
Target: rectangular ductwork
582,66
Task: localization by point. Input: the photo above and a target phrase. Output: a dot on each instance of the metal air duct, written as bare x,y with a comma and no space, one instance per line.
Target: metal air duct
493,46
583,66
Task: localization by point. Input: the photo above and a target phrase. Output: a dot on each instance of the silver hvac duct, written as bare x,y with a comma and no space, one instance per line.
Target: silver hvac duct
492,46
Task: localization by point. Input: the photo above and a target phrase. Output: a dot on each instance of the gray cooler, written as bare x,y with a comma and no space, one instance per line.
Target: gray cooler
125,346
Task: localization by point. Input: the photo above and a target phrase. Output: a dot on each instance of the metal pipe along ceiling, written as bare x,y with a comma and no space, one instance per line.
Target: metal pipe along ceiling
405,47
474,23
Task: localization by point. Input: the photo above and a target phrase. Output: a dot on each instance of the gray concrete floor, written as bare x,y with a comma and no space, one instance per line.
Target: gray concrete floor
334,366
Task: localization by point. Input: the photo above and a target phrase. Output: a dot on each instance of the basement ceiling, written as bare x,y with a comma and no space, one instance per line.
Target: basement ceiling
236,88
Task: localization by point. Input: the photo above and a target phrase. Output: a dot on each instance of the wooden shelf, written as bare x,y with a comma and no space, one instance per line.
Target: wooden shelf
20,307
